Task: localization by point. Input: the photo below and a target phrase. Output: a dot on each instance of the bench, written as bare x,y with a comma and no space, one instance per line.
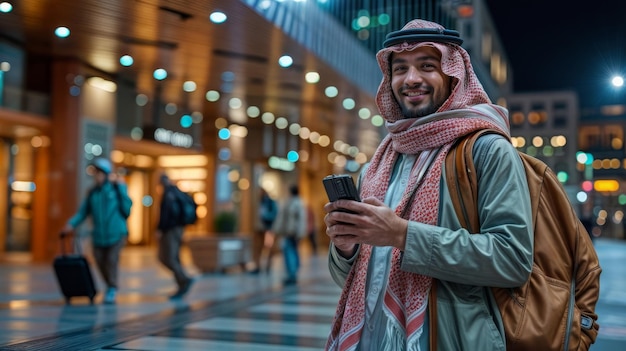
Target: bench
216,254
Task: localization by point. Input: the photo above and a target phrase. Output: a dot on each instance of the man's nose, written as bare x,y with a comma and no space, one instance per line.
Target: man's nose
413,75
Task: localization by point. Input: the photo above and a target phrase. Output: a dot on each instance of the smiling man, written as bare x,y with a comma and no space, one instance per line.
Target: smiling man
404,239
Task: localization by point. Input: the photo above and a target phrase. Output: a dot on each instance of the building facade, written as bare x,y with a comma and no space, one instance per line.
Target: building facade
165,88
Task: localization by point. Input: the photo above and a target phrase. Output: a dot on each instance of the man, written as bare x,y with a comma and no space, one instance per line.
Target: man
109,205
404,237
170,232
291,226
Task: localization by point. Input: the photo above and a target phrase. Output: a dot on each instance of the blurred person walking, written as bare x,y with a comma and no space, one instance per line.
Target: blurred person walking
263,237
108,205
290,227
170,230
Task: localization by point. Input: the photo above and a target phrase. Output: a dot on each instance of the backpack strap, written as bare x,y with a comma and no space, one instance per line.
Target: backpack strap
463,187
120,200
432,317
461,181
88,199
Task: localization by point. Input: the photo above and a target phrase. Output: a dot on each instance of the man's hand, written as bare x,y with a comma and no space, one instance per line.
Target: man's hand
67,229
371,223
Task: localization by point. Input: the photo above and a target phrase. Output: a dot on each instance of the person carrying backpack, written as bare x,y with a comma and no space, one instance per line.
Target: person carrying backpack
108,205
262,250
170,230
413,276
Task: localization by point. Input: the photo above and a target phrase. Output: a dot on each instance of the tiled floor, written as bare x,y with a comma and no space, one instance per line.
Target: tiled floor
233,311
296,321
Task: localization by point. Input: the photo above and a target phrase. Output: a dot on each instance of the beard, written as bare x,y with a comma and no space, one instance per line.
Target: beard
419,112
410,111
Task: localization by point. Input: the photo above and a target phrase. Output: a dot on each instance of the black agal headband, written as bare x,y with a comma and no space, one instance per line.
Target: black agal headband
421,35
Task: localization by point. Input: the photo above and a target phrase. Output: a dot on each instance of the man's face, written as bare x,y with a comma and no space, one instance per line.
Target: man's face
417,81
100,177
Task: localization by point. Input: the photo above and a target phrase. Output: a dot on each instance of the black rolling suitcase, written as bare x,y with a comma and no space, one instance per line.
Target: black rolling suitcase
73,273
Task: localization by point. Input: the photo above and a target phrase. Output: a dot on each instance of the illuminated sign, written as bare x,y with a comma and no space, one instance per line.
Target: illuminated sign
178,139
606,185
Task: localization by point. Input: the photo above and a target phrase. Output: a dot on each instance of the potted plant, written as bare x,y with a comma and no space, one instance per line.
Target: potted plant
225,223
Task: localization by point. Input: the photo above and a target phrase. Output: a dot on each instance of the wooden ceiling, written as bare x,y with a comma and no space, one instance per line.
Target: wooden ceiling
178,36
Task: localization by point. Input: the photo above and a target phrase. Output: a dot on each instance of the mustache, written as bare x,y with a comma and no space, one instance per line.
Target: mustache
423,87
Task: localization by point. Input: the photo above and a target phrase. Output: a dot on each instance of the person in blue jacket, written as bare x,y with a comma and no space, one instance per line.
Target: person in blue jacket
108,205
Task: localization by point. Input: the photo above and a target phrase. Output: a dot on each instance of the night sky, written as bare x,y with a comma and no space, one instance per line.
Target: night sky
565,45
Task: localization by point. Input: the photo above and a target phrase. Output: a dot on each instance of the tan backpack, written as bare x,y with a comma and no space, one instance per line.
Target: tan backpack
555,308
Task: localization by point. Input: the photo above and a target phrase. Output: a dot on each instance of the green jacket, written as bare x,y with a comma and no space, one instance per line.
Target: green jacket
107,213
464,264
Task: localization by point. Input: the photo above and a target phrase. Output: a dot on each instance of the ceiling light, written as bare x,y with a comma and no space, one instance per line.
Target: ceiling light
294,129
189,86
224,134
212,95
305,133
312,77
281,123
126,60
293,156
253,112
159,74
267,118
377,120
6,7
348,104
62,32
364,113
331,91
186,121
314,137
285,61
218,17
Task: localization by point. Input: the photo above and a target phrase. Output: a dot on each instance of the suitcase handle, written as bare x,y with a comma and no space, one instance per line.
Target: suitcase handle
62,242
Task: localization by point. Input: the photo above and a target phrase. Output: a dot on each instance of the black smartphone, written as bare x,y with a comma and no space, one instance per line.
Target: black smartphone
340,186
